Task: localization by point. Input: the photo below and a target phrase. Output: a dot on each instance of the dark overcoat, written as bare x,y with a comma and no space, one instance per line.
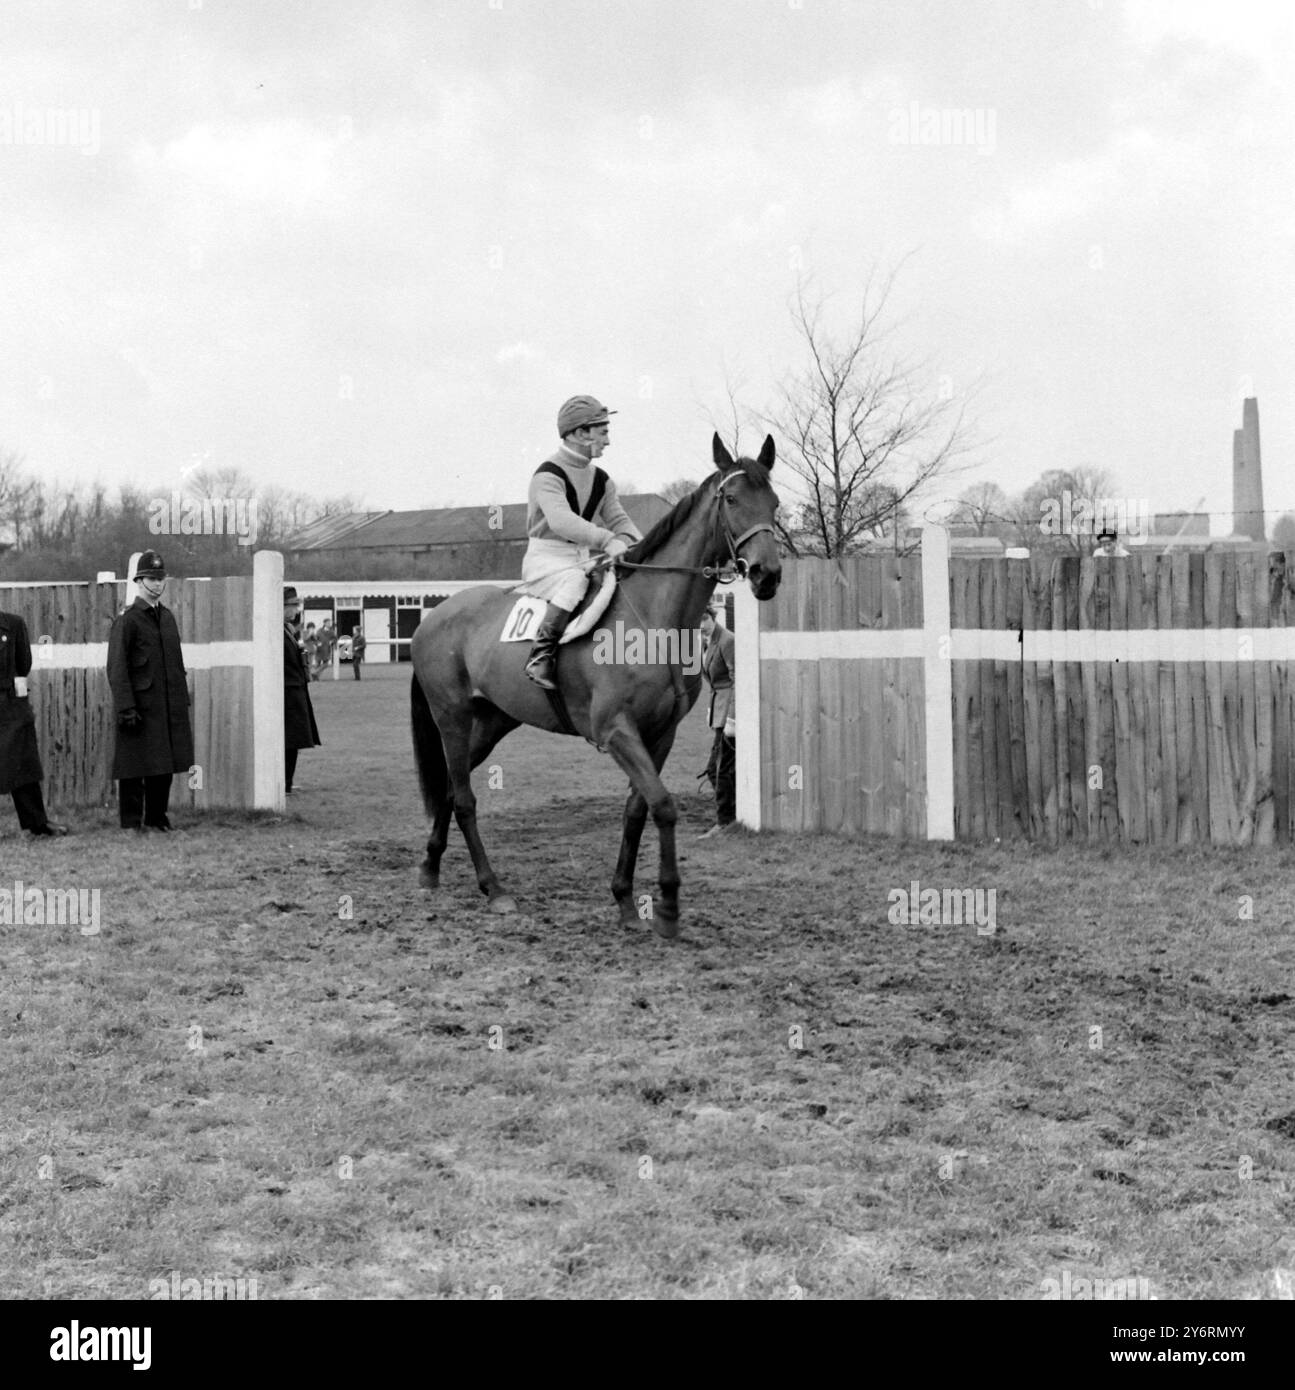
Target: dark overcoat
717,666
146,674
299,727
19,756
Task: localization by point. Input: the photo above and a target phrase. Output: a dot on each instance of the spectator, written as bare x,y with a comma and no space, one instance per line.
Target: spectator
325,641
299,727
717,666
310,646
1109,546
358,645
20,768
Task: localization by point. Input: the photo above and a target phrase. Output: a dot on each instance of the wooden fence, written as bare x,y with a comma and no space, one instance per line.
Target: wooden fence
1148,699
230,632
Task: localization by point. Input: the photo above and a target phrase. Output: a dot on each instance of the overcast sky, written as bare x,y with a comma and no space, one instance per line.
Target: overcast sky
370,247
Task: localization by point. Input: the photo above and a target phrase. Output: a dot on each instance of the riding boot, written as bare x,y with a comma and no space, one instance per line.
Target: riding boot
542,667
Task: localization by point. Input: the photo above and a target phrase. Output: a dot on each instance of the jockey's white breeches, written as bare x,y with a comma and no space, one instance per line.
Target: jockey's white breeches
556,571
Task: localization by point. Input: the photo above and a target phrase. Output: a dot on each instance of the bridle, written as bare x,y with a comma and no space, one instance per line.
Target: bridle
727,571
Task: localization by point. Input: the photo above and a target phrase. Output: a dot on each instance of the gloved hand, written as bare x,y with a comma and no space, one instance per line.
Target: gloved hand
616,546
128,719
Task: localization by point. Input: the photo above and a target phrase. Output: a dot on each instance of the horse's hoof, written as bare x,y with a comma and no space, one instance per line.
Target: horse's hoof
428,877
503,905
667,927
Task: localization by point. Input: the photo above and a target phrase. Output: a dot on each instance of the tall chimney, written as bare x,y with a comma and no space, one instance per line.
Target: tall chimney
1247,475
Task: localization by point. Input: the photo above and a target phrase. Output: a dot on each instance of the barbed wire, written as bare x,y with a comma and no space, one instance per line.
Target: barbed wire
1026,520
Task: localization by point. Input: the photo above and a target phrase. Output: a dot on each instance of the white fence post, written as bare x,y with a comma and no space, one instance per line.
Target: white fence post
746,703
269,788
938,652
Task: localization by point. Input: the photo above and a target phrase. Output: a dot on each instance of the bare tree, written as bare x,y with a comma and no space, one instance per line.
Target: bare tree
1284,532
227,481
984,506
18,494
860,439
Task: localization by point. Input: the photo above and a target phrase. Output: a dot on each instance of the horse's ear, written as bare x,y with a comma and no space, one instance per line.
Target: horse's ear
723,459
767,452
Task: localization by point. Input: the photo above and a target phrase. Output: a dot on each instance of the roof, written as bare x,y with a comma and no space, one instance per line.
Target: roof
447,526
329,528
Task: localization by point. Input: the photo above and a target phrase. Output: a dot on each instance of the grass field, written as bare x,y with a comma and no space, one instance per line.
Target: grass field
280,1060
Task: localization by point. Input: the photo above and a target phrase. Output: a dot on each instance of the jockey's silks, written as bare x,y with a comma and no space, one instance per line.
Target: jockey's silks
548,511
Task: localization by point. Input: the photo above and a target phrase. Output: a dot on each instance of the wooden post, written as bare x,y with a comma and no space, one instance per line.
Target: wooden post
270,783
938,661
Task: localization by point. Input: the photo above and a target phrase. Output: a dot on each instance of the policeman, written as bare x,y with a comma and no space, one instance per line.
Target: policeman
299,727
150,697
20,769
571,510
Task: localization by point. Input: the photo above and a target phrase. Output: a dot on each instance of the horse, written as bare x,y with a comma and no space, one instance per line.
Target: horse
469,689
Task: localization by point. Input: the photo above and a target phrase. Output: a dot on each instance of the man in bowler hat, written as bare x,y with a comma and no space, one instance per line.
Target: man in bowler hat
20,769
299,727
150,697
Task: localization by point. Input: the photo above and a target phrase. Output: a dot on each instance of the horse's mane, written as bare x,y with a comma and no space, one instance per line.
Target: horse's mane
669,524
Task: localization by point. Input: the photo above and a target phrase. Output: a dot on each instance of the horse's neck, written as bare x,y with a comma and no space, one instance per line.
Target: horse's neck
677,597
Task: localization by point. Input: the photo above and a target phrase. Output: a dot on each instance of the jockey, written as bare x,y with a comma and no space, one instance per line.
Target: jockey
571,510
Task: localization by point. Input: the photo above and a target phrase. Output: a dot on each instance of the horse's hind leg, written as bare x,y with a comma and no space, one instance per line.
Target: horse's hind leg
489,725
464,749
430,872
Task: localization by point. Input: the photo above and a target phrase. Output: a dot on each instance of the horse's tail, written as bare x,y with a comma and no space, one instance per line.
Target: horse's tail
429,751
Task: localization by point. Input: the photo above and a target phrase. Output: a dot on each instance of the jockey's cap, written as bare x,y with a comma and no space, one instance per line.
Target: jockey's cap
580,411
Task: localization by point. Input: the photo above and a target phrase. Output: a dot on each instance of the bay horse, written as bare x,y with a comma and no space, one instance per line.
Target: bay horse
469,688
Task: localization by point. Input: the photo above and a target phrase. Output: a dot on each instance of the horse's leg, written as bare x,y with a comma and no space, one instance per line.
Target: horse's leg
632,834
634,820
623,741
429,874
457,736
434,779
